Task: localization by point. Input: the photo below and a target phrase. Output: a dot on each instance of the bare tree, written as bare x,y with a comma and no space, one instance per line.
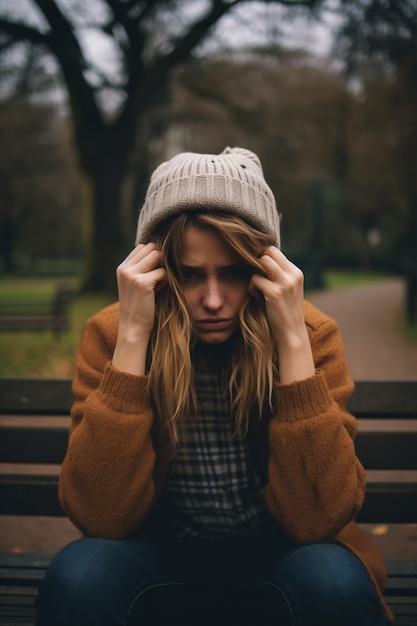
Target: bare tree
148,39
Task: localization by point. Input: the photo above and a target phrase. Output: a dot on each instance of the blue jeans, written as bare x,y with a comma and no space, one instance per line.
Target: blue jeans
130,582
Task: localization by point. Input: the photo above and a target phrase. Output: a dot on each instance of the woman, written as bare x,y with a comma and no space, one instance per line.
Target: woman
211,463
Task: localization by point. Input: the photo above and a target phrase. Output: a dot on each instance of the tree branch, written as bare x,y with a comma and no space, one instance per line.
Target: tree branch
65,43
133,53
65,46
21,32
185,45
121,16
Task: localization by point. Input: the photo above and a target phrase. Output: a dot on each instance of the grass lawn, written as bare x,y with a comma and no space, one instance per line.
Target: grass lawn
41,353
339,280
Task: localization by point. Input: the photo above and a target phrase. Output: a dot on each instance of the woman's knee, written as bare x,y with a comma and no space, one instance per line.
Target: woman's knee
92,579
325,583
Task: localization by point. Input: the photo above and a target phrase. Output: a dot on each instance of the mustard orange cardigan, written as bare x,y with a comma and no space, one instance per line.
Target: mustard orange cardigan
118,454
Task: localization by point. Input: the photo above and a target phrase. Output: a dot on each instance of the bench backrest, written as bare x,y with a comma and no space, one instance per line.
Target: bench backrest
34,422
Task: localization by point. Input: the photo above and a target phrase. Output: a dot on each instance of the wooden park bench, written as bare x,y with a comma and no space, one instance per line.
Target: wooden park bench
42,311
386,441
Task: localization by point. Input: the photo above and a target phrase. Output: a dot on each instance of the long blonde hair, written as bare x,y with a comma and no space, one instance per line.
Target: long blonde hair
253,365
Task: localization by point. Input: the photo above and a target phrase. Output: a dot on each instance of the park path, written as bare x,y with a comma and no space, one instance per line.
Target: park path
367,316
368,319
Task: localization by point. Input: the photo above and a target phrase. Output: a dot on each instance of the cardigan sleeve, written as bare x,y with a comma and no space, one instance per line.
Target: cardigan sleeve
106,484
316,484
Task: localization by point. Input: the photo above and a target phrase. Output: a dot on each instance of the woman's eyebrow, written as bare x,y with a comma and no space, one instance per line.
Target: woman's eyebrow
189,266
227,266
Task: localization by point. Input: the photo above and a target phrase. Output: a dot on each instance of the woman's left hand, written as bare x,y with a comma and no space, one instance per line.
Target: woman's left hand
282,288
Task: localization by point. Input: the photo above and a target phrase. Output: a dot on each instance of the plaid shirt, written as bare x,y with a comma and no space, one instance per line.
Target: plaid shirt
212,487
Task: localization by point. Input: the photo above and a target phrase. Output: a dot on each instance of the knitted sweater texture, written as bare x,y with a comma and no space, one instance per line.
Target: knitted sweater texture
118,454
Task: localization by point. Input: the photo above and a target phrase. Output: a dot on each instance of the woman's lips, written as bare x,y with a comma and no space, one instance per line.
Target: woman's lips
215,323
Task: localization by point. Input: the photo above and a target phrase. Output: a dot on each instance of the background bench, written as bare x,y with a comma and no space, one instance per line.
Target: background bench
386,441
42,311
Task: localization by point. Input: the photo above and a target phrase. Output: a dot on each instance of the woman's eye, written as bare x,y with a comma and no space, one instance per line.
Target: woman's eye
237,273
189,275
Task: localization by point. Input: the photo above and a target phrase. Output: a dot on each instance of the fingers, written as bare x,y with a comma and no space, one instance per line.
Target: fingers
141,272
275,261
143,261
280,272
161,278
147,255
282,290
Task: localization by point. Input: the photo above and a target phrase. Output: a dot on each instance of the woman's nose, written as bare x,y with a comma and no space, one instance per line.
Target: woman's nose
213,298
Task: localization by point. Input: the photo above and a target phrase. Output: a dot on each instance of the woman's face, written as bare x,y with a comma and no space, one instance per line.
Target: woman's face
215,284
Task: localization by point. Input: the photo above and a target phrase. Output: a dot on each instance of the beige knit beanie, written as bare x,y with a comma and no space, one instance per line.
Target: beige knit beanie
231,182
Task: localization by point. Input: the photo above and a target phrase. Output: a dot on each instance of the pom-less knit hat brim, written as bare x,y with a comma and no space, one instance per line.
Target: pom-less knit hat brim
230,182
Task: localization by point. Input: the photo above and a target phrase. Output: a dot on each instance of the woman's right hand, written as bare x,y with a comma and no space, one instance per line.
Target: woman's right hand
139,277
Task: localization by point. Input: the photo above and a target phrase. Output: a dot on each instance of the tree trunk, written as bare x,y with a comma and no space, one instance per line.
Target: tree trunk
7,240
105,237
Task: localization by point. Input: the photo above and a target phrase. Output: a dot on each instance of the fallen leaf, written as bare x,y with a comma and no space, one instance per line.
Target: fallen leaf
380,529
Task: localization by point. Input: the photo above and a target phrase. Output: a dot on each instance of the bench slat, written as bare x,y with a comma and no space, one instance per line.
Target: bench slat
33,445
371,399
35,322
376,450
25,559
11,600
21,576
387,450
37,495
29,495
402,568
376,399
390,503
35,396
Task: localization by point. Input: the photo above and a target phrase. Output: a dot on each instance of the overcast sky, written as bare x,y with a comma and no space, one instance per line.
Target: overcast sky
257,22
